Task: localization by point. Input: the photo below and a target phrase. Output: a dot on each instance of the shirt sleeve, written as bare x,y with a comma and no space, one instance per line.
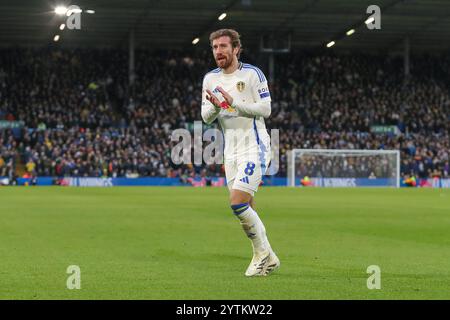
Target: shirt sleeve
261,96
209,111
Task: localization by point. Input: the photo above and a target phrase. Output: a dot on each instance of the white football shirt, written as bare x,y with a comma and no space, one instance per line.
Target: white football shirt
243,125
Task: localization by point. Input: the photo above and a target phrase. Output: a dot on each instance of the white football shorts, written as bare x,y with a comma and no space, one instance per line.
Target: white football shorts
245,173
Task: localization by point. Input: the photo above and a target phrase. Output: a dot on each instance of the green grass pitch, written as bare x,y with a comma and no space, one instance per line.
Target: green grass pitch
184,243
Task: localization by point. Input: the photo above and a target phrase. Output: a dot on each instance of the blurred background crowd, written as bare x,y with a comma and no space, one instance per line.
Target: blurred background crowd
73,113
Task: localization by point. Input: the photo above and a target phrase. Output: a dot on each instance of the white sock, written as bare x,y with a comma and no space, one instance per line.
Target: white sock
253,227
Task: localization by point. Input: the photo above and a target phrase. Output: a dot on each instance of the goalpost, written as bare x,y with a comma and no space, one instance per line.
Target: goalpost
343,168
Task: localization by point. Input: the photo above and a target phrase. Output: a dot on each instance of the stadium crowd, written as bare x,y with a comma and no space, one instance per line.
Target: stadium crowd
8,153
81,118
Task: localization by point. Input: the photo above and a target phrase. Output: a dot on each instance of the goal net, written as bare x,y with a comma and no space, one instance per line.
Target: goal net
343,168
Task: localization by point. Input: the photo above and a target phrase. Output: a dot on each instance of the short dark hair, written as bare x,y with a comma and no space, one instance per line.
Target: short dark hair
235,38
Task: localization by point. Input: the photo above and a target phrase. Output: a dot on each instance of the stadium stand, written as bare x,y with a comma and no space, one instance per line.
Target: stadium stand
81,118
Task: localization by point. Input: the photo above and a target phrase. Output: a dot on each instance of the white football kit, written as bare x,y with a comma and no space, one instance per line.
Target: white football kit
247,143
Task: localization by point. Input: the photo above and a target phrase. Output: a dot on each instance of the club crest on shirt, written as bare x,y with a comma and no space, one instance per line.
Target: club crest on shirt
240,86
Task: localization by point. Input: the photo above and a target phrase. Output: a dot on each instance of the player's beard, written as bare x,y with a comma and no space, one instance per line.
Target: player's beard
224,63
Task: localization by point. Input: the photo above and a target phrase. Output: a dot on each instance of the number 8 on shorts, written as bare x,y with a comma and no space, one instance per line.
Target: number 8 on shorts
249,168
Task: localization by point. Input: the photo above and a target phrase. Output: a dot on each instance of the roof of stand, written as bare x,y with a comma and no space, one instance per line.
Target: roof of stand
174,23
